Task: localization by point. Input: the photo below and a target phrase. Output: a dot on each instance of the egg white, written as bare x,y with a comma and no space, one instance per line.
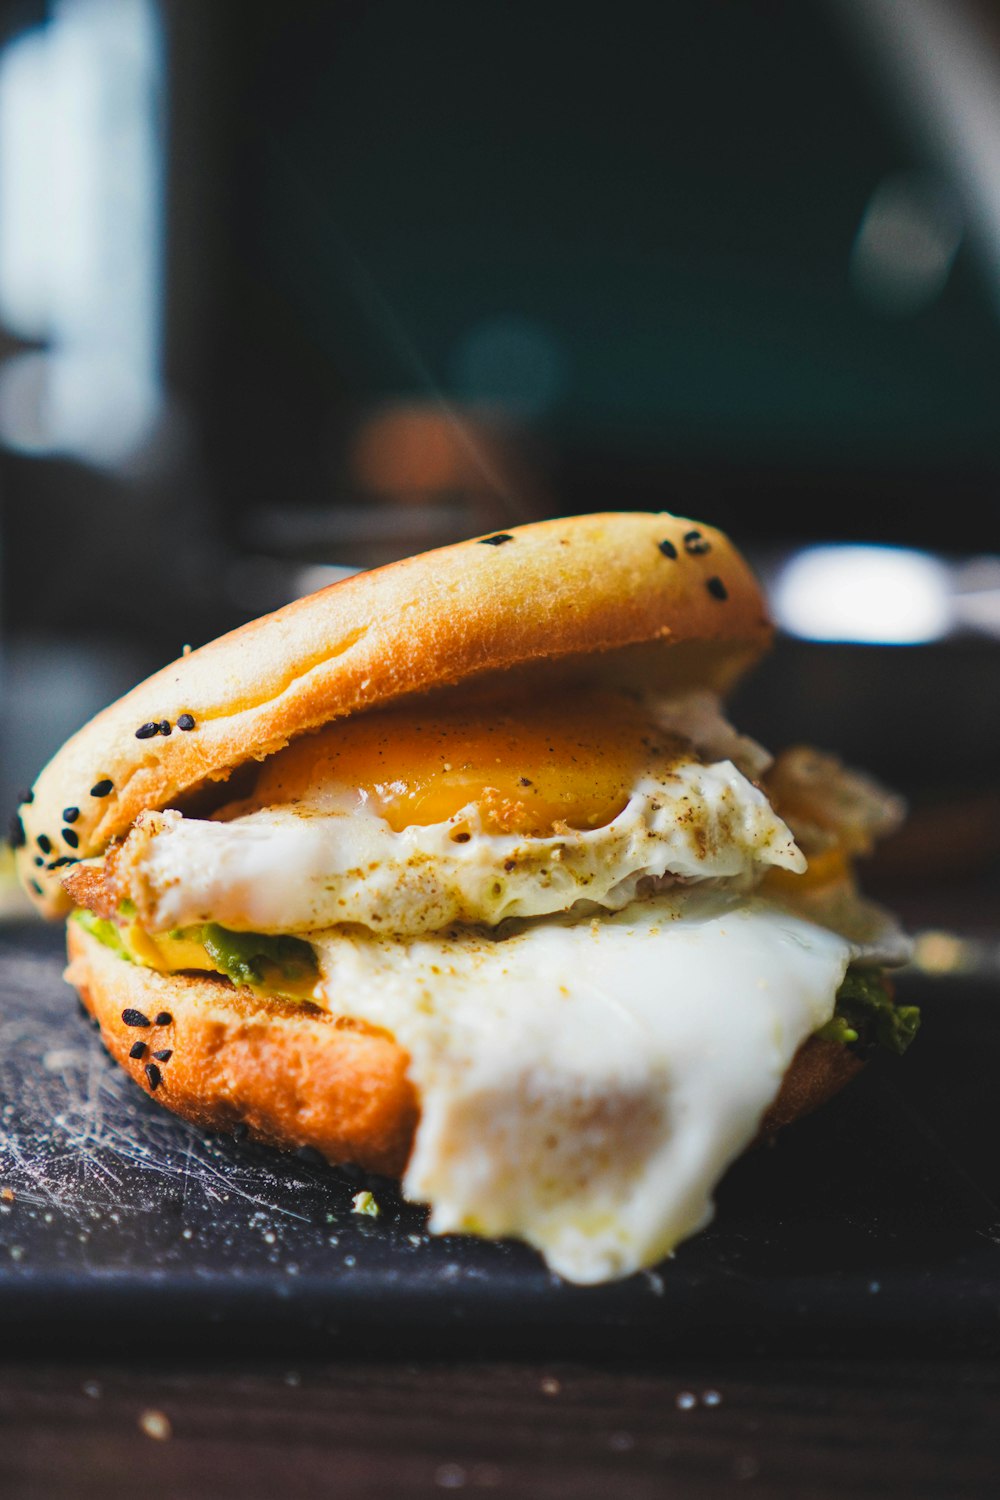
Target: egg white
585,1082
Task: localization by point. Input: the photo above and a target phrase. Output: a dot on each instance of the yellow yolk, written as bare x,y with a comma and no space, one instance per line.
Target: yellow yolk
529,766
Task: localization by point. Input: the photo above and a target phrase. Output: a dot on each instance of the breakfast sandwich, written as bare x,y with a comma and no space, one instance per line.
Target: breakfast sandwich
456,870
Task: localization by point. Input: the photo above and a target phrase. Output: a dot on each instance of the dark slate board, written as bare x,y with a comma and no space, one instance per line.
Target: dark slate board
872,1226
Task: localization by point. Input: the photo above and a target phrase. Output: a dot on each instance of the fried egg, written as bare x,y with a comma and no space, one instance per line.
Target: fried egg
585,1082
405,822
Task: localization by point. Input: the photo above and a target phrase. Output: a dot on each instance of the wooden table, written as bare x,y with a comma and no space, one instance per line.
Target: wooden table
806,1428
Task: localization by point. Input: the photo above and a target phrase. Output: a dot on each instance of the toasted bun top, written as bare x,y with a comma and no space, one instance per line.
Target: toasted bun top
650,599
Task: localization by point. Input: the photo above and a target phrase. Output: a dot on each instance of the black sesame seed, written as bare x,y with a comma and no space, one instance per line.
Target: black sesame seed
134,1018
667,548
71,838
137,1049
39,859
63,859
70,814
44,843
102,788
26,797
35,887
15,832
164,1018
186,721
496,541
146,731
716,588
164,1054
164,726
696,544
152,1072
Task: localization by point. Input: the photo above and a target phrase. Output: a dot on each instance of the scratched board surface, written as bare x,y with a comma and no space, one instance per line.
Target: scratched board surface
873,1224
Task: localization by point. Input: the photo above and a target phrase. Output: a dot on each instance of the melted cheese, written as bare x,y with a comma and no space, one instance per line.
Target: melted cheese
584,1084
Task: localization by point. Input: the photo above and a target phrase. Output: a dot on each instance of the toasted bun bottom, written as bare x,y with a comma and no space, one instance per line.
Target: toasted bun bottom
295,1075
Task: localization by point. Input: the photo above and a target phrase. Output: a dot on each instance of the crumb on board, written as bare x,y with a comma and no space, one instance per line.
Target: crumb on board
156,1424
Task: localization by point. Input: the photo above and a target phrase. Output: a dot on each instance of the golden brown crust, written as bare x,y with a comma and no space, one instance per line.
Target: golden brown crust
596,592
291,1073
296,1076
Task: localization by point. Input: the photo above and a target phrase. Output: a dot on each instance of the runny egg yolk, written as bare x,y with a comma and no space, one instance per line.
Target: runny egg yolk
528,766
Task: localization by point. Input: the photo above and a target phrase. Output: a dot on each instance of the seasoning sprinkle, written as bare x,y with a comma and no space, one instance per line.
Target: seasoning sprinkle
154,1075
134,1018
496,541
102,788
716,588
696,544
667,548
146,731
71,837
35,887
70,814
186,721
57,864
44,843
137,1049
164,1054
16,837
164,726
164,1018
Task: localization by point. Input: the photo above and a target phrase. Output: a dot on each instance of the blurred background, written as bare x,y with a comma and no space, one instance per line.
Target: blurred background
290,289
